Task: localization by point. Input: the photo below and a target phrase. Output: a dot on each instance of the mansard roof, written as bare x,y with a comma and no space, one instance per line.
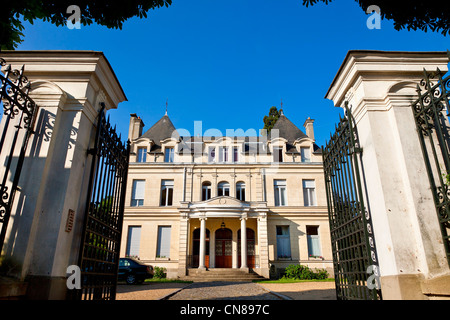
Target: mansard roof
286,129
161,130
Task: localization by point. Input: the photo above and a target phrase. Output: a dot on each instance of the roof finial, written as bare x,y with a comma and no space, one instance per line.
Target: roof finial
281,108
167,103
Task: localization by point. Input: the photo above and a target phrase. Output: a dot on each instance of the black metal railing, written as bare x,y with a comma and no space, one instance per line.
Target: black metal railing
18,120
102,231
352,239
433,130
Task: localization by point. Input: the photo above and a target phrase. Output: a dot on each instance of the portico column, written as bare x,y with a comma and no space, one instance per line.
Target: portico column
201,264
243,243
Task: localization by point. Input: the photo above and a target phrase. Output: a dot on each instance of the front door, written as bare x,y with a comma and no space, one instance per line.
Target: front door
223,248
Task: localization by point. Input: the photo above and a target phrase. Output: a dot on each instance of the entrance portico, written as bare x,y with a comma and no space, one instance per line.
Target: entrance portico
215,238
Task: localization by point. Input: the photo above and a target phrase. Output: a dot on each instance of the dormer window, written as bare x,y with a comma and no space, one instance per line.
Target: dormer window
305,154
278,154
142,155
169,154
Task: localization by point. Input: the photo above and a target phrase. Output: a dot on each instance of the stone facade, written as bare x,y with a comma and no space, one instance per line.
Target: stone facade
200,210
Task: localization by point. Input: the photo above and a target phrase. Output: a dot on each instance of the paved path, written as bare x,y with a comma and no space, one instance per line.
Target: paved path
221,290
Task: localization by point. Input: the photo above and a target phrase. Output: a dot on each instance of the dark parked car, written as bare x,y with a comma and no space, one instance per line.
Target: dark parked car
134,271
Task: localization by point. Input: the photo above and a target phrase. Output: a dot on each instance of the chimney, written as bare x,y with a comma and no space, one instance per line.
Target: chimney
136,125
309,128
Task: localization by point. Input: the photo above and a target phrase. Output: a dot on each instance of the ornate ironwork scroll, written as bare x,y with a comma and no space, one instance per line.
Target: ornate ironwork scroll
99,253
352,239
18,119
433,130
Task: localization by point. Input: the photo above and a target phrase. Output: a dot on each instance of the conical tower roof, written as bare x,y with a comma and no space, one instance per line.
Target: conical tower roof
161,130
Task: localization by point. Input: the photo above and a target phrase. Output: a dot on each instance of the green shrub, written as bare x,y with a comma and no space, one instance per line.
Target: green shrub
159,272
297,271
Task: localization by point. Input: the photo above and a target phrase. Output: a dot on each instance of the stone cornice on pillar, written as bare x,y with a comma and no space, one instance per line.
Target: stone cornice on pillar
86,77
354,80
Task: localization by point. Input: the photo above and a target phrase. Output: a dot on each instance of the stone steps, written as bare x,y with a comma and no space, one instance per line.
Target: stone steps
221,274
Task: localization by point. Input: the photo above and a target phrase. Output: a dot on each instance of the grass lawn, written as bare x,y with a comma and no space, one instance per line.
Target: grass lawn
163,280
286,280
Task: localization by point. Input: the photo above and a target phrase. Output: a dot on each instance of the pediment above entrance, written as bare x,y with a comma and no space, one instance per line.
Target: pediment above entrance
222,201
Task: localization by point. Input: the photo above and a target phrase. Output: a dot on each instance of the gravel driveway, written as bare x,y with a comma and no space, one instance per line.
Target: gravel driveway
228,291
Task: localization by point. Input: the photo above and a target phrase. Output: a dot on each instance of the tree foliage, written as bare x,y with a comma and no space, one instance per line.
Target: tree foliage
111,14
408,14
269,121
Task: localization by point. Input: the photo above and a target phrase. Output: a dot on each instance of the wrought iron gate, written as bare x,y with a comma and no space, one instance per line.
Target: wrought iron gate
18,119
433,130
352,240
99,253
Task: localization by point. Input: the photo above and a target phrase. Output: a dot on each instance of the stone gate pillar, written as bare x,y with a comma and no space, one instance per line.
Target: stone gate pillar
380,88
68,87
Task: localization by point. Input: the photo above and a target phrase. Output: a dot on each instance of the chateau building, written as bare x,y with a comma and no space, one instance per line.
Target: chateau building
189,197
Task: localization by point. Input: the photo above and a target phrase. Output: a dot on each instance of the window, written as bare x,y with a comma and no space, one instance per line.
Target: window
309,193
312,235
137,194
235,154
277,154
133,241
142,155
223,154
223,189
280,192
283,242
168,156
206,190
166,192
212,154
305,154
240,191
163,249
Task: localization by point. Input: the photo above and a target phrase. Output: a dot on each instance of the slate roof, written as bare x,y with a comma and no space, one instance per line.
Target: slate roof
164,129
161,130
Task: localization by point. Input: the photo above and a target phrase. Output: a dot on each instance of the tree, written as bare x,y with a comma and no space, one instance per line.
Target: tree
110,14
409,14
269,121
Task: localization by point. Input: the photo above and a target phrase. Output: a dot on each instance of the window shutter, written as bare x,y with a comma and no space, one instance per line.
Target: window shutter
164,242
138,189
134,240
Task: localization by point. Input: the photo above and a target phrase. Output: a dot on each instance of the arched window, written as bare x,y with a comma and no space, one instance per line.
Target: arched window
206,190
240,191
223,189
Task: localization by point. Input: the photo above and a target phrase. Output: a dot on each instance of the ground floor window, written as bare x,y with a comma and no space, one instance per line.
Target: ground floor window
133,241
283,242
163,249
312,234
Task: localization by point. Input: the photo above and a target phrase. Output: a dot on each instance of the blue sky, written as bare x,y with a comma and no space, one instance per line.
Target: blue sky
225,63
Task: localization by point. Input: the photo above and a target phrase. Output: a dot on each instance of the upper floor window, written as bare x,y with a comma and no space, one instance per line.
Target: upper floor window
166,192
169,154
280,192
223,154
235,154
211,154
206,190
305,154
309,192
278,154
142,155
223,189
137,193
240,191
